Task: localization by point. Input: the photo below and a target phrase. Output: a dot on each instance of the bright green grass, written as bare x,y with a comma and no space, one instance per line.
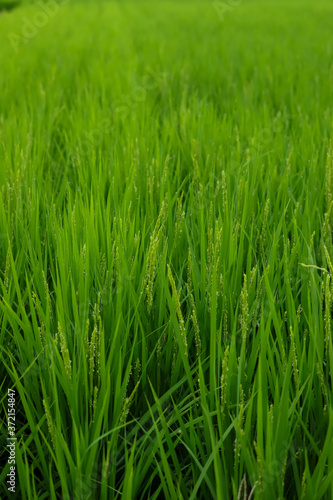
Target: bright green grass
166,252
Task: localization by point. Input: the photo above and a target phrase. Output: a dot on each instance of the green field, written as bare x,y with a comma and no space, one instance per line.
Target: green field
166,251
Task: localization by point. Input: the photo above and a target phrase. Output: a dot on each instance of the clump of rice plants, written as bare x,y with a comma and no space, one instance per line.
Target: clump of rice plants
166,250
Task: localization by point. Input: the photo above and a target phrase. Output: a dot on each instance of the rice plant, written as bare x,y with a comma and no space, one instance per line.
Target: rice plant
166,249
